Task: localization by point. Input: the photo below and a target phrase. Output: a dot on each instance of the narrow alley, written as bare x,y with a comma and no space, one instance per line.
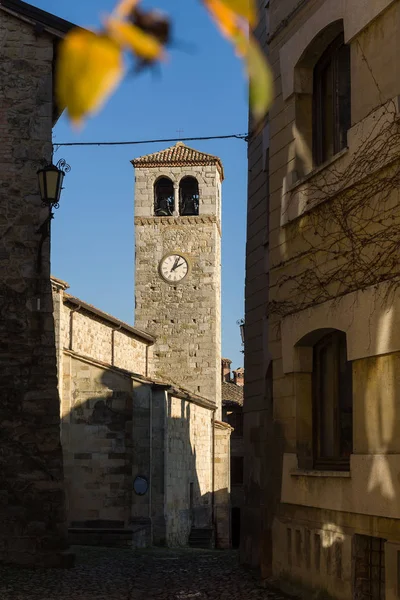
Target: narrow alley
122,574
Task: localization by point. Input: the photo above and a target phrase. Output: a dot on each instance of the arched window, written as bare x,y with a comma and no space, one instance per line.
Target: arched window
332,403
331,101
188,196
163,197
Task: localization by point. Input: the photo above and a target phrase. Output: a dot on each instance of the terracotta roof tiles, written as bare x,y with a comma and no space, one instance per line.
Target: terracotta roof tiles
178,156
232,393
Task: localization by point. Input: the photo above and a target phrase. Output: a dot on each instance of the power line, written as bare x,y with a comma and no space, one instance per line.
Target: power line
238,136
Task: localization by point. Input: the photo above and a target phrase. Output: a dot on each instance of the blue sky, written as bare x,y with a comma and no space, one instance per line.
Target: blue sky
200,90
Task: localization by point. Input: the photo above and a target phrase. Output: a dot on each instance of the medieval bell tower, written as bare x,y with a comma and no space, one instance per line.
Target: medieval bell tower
178,265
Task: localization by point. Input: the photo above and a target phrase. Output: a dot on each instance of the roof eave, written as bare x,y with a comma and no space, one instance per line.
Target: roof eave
36,16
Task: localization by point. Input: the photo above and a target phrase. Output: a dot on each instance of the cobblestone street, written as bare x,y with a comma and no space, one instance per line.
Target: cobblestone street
119,574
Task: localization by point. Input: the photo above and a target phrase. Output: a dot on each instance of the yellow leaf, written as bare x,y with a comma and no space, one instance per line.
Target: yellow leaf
260,82
243,8
135,39
246,46
124,8
224,17
89,68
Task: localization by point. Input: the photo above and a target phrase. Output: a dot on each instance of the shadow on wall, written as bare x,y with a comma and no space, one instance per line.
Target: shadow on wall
115,429
354,512
265,446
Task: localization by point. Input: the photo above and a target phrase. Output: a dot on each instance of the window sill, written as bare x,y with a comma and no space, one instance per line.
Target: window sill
295,201
316,473
318,170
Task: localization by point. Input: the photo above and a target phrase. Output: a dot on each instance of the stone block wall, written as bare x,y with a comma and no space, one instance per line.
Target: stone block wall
185,318
222,487
32,510
261,449
307,516
97,445
88,334
208,178
189,469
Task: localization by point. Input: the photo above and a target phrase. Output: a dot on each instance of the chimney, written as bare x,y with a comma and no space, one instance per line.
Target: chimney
238,376
226,369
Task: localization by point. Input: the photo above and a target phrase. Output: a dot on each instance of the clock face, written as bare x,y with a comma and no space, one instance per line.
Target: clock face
174,268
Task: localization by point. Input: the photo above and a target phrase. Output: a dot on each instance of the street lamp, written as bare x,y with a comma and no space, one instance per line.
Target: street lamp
241,327
50,179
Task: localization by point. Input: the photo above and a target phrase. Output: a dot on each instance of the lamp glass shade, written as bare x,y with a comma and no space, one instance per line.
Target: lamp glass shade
242,332
50,184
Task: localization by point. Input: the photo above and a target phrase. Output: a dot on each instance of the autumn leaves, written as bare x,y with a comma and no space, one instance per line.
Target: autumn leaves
91,64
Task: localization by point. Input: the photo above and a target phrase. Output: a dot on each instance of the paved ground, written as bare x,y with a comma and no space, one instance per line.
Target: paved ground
119,574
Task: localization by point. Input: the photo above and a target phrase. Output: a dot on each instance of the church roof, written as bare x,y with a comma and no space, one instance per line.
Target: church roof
178,156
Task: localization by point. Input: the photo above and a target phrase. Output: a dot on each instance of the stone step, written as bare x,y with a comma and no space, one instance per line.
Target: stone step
200,538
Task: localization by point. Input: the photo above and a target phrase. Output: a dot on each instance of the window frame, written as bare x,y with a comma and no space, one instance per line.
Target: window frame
329,57
337,341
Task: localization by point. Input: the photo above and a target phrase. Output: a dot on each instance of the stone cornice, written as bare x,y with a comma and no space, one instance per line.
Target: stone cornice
176,221
222,425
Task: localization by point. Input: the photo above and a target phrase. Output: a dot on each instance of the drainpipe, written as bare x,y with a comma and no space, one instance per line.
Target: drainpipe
112,343
151,463
213,469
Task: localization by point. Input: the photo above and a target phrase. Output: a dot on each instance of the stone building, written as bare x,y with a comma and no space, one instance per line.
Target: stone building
322,303
32,509
146,454
232,413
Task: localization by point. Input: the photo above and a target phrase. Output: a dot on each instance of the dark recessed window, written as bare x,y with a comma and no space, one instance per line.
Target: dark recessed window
235,420
332,403
331,101
163,197
237,470
188,197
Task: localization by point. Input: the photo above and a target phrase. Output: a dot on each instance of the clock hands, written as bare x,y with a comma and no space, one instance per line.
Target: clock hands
176,265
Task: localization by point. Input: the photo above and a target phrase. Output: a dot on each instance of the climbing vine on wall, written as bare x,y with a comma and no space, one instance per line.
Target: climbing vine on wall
352,241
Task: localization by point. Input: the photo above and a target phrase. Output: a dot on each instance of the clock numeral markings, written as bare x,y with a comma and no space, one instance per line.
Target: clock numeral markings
174,267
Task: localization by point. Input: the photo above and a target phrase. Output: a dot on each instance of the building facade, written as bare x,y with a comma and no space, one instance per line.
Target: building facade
322,303
232,413
32,505
146,455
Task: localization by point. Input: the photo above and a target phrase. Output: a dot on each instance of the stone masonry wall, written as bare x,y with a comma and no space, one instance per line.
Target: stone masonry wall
189,469
89,335
185,318
97,444
262,443
222,513
32,511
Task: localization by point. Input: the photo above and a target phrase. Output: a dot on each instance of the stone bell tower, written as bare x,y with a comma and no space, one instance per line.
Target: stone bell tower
178,265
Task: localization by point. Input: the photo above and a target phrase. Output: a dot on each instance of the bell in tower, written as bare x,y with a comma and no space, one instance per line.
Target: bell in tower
188,197
163,197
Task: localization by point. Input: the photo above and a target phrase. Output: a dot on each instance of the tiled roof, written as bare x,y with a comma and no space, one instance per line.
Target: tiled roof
232,393
178,156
